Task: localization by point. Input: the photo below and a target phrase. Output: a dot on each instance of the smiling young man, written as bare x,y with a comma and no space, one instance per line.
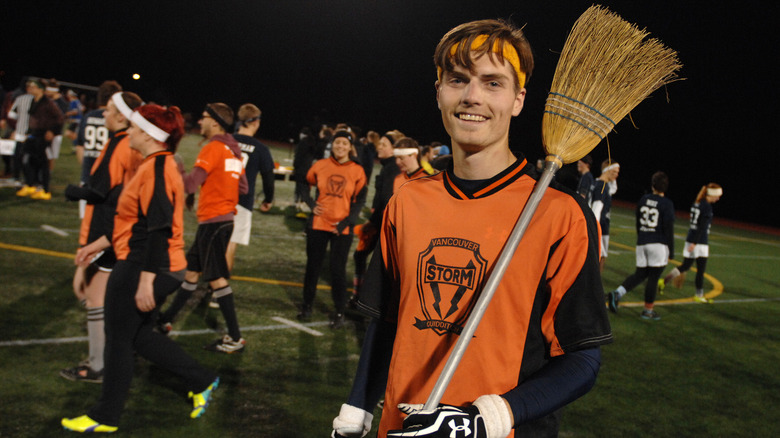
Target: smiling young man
537,346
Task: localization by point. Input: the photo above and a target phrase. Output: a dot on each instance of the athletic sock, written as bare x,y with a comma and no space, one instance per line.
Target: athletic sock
97,337
699,292
184,294
621,291
224,297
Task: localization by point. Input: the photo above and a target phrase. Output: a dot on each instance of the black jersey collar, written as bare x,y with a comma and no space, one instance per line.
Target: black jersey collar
462,189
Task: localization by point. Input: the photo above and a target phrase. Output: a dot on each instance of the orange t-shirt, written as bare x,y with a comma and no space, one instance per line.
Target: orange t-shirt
122,165
338,185
403,177
219,193
153,200
440,243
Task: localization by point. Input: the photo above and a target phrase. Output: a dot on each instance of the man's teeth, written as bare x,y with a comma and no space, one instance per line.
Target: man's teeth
472,117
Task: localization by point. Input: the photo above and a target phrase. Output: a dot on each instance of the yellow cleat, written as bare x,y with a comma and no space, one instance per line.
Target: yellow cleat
41,195
701,299
201,400
661,286
85,424
25,191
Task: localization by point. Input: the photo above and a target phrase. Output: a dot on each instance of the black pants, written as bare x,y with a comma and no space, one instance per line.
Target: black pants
316,247
701,266
128,329
35,163
651,274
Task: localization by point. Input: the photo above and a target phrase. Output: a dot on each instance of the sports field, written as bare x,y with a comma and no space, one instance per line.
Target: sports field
703,370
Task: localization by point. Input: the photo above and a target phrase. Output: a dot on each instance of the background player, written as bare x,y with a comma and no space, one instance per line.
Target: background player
219,173
697,242
654,244
601,203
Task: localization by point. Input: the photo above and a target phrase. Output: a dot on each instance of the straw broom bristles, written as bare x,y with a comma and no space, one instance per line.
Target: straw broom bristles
605,70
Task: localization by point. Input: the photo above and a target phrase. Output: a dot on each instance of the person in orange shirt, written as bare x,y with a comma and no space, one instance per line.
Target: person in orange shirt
341,193
536,348
219,173
148,240
114,167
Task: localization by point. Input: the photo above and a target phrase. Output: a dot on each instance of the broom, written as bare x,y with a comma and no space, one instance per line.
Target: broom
605,70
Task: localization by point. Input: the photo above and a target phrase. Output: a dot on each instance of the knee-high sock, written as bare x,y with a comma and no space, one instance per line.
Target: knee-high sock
184,294
224,297
97,337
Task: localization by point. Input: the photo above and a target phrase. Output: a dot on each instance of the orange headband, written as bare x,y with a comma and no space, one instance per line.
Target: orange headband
509,54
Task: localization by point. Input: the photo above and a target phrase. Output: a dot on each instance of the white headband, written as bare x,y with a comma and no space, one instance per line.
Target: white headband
149,128
610,167
121,105
714,192
402,152
52,89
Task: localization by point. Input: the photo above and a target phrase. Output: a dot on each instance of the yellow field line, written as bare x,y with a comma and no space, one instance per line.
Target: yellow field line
717,286
30,250
65,255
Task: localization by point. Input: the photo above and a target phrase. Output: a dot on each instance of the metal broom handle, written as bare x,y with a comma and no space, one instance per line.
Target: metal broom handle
551,166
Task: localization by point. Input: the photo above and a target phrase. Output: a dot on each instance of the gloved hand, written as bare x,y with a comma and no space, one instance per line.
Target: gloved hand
352,422
189,201
487,417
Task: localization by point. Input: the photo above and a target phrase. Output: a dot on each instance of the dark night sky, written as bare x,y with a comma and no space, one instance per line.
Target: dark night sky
369,63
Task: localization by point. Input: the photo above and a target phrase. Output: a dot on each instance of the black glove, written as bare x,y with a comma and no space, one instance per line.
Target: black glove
189,201
443,422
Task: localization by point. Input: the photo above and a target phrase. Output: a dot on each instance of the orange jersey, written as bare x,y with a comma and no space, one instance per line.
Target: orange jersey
152,201
107,178
403,177
219,193
439,244
338,186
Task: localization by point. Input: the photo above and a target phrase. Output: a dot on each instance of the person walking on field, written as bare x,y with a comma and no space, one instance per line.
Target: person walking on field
219,173
148,240
654,244
697,248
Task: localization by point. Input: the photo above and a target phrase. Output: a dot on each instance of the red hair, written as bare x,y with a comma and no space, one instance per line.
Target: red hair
168,119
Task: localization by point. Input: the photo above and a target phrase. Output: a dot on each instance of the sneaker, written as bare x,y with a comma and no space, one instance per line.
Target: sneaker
661,286
85,424
201,400
650,314
82,373
301,215
25,191
337,321
41,195
213,303
227,345
164,327
305,313
612,300
701,299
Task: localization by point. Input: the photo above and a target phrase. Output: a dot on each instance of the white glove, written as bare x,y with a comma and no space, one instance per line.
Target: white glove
487,416
352,422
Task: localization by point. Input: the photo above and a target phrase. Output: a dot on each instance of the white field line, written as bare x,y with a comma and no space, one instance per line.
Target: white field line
286,324
54,230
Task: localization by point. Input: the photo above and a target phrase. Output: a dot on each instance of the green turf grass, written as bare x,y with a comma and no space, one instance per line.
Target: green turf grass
703,370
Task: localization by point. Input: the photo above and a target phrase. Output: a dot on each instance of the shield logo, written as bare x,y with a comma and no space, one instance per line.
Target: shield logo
450,272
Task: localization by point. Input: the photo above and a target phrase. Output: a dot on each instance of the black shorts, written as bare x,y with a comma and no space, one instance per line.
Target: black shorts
207,254
106,260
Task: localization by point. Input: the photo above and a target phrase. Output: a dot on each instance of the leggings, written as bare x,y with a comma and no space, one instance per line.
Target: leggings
701,266
652,274
316,248
129,329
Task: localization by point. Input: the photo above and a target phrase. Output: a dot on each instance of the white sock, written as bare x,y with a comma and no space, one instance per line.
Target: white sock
621,291
97,337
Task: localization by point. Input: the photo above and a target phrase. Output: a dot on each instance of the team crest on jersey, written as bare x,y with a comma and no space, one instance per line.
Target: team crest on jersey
449,273
336,184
